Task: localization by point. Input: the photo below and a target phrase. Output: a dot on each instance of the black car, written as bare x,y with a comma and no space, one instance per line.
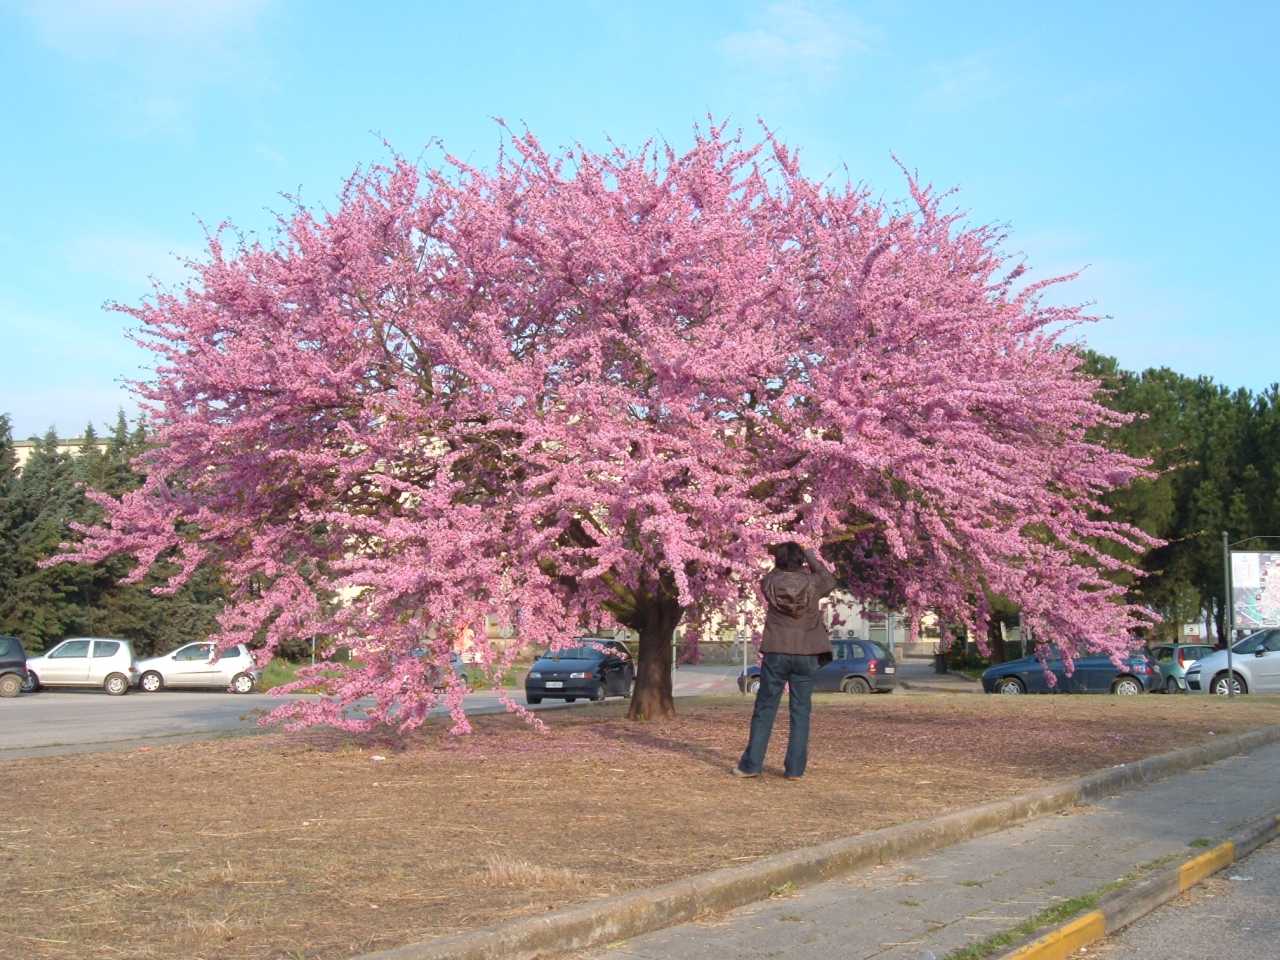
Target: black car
857,666
593,668
13,667
1092,674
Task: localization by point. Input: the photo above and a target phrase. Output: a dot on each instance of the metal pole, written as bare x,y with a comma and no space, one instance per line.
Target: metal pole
742,638
1227,613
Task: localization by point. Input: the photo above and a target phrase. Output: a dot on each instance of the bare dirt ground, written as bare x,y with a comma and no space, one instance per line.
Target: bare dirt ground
322,846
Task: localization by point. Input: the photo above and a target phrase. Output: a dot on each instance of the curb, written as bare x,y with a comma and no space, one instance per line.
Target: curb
641,911
1117,910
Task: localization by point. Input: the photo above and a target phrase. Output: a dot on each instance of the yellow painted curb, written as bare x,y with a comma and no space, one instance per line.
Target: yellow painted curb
1066,940
1209,862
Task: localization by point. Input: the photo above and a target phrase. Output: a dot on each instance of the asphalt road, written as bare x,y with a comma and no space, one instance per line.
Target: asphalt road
1232,916
79,721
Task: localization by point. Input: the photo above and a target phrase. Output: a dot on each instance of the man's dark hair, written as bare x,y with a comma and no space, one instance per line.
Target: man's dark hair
787,556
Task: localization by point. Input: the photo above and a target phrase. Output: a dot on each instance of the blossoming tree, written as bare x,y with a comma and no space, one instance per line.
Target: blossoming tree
579,386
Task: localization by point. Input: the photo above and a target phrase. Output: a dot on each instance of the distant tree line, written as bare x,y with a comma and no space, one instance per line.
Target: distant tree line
1216,455
1216,452
37,503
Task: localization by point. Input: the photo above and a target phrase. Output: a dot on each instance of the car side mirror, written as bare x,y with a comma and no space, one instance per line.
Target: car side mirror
1261,652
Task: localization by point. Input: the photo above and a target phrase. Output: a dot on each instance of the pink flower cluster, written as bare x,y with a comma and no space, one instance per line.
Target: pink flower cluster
537,391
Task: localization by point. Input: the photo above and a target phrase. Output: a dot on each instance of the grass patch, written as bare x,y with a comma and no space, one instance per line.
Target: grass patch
1201,842
1055,915
279,857
1051,916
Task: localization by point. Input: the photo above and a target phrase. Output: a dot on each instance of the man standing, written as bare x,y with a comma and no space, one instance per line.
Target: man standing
795,644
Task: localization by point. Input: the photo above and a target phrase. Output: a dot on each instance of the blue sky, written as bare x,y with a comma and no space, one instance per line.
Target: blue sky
1139,140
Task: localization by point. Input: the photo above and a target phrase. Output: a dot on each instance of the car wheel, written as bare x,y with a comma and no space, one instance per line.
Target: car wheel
532,700
242,683
631,687
1222,686
570,699
117,685
1010,686
753,685
151,682
31,684
1170,685
10,685
1126,687
601,692
856,685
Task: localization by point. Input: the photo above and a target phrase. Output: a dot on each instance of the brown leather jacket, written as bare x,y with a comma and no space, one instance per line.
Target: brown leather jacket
800,630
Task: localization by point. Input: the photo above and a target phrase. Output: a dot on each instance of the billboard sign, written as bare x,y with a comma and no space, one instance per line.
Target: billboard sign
1255,589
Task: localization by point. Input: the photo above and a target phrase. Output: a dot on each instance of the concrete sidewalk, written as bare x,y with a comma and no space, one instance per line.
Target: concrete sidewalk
925,908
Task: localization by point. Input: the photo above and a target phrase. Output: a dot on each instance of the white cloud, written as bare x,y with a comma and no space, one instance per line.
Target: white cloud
959,84
130,260
795,37
96,28
156,56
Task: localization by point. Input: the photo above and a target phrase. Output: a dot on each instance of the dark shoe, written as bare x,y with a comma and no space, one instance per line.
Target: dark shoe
739,772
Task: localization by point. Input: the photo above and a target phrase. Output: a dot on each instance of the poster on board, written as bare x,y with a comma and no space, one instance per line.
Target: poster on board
1255,589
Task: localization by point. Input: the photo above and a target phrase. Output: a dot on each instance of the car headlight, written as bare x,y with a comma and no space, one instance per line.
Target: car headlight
581,676
535,675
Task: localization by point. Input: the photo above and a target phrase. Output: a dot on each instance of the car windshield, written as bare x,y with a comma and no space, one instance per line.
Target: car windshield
9,647
1254,643
573,653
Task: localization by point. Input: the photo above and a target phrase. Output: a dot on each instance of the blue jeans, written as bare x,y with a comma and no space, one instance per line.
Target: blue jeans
779,670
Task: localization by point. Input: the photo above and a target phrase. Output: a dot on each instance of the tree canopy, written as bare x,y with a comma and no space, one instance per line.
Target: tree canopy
1216,454
582,382
42,604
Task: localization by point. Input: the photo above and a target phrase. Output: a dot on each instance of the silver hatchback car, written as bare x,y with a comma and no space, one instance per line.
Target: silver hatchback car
196,665
84,662
1255,663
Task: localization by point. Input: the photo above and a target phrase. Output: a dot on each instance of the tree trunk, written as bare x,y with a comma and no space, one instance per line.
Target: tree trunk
995,641
656,620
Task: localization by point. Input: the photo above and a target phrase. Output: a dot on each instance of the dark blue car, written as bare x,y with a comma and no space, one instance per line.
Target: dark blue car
1093,674
597,667
858,666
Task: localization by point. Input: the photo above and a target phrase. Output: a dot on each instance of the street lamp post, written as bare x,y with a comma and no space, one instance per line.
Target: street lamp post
1228,618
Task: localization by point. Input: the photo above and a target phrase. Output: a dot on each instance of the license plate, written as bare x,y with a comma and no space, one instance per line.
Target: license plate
890,669
555,684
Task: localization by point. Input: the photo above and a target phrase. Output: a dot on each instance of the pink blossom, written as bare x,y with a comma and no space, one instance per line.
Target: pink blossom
579,385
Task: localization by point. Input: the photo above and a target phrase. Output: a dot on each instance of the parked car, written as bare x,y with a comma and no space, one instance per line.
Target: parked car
1092,674
456,664
13,666
1173,660
595,667
1255,663
195,665
85,662
857,666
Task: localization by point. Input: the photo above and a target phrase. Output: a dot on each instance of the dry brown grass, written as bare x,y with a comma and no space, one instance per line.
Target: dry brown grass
308,847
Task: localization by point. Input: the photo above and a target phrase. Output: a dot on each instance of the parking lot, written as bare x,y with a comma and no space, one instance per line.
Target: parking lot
77,721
